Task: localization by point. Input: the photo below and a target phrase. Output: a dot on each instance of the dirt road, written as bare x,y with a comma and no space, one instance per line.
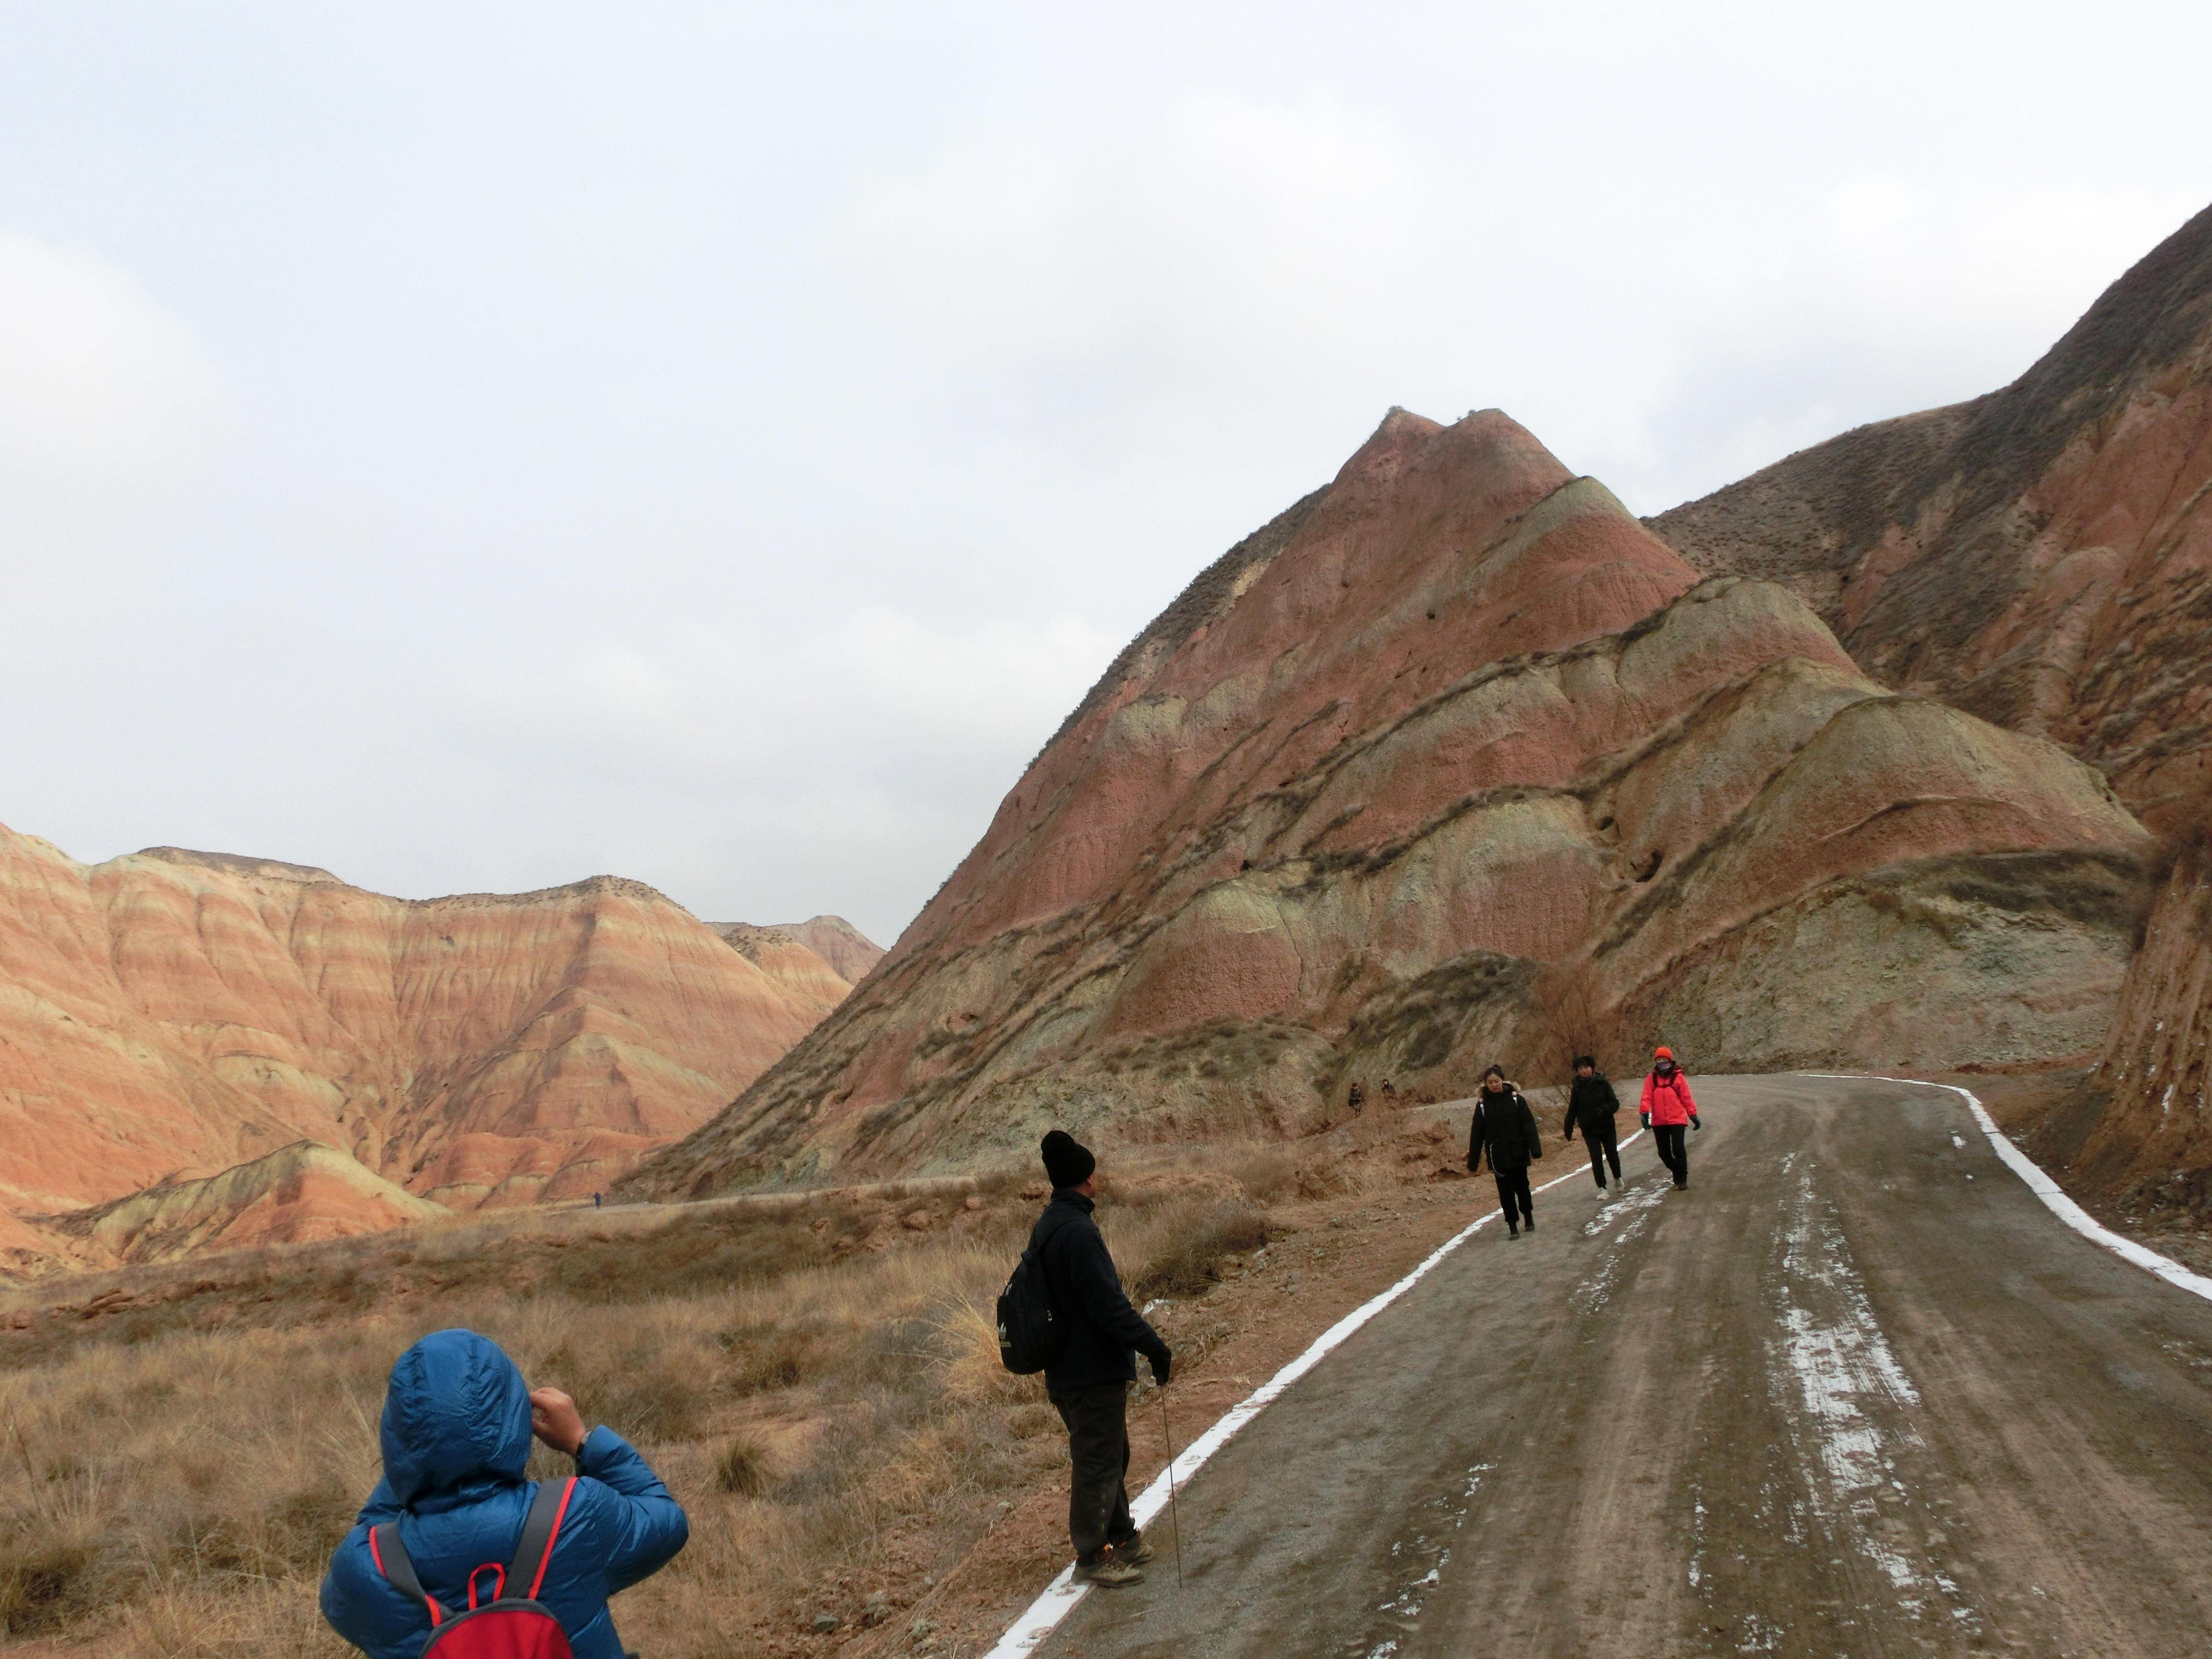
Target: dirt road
1856,1392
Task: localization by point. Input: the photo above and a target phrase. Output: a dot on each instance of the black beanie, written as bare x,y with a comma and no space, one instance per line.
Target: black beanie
1067,1163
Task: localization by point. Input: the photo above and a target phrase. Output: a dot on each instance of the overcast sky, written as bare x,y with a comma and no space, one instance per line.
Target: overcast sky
475,446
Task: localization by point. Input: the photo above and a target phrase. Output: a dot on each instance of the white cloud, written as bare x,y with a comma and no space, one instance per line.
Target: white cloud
1068,293
93,372
698,709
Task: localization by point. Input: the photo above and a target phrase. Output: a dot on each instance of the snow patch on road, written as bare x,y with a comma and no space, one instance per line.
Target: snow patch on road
1630,1214
1847,1378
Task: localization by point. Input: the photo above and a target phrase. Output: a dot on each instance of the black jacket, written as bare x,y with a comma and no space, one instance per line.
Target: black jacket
1503,1123
1102,1328
1591,1103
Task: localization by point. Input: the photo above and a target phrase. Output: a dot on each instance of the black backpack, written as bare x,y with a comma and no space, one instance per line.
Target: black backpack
1032,1332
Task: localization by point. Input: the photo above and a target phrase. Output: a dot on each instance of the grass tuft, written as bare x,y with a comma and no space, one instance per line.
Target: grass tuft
742,1468
1195,1239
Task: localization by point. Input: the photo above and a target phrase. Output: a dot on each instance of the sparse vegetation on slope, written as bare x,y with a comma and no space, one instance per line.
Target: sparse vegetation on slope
818,1379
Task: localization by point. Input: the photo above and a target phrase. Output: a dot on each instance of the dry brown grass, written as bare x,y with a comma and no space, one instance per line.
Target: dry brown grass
820,1387
181,1448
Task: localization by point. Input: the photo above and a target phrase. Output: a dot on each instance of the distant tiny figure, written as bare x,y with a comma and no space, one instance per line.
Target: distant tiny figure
595,1200
453,1518
1387,1090
1592,1105
1666,1106
1505,1125
1089,1382
1358,1098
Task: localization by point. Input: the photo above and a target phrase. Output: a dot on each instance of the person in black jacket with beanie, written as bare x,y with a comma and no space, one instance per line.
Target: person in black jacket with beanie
1507,1128
1089,1382
1592,1103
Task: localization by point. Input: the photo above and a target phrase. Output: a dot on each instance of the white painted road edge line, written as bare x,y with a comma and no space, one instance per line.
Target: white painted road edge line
1043,1615
2052,1194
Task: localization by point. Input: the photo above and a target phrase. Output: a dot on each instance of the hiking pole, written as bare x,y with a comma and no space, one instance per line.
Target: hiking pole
1175,1519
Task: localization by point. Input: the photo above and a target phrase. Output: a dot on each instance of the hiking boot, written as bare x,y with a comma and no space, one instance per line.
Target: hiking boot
1529,1222
1133,1550
1512,1231
1109,1572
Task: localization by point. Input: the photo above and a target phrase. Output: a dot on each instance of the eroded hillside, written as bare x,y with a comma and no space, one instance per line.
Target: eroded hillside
1452,728
2042,556
173,1014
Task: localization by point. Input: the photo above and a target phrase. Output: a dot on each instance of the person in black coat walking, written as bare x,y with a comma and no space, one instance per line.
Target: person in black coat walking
1089,1382
1592,1103
1505,1127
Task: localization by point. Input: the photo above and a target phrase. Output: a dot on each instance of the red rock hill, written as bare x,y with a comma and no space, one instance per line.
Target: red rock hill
2041,555
174,1014
1451,728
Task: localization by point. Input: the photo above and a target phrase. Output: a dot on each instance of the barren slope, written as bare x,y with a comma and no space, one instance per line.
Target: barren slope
176,1013
296,1194
2041,557
837,942
1451,725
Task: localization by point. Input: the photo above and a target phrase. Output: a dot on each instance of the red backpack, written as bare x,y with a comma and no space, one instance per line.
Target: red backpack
508,1627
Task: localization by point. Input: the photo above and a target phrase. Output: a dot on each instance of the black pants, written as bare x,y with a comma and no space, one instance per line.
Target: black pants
1674,1151
1604,1148
1512,1189
1098,1453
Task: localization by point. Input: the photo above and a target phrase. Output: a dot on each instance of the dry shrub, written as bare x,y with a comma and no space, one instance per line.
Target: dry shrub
1569,1018
1189,1243
764,1358
969,1333
742,1468
1268,1175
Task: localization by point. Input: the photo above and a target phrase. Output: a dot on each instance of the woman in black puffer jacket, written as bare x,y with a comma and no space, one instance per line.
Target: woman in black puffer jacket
1505,1125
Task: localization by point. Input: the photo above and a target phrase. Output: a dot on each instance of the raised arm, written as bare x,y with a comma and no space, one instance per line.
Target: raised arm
638,1526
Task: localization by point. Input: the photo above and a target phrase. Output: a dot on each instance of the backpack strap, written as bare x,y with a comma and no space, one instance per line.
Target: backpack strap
534,1549
389,1552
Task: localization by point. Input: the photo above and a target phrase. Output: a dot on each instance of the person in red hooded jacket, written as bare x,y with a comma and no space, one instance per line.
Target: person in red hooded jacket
1667,1105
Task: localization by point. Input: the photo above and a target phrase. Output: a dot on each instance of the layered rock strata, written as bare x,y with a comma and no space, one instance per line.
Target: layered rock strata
2143,1115
838,943
1454,729
2041,557
170,1014
297,1194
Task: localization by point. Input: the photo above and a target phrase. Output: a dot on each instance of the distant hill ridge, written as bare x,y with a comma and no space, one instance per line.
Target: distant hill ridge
296,1194
176,1013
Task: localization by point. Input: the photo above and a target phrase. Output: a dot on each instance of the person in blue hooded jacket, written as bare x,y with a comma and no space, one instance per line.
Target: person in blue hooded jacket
456,1433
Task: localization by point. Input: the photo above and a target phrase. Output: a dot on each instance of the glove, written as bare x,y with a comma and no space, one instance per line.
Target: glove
1160,1368
1644,1118
1694,1124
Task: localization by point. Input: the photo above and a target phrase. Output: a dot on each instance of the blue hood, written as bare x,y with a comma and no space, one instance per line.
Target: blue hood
456,1416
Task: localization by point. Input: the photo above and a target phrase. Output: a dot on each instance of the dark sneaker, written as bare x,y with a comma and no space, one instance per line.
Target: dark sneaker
1135,1551
1512,1231
1529,1222
1109,1572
